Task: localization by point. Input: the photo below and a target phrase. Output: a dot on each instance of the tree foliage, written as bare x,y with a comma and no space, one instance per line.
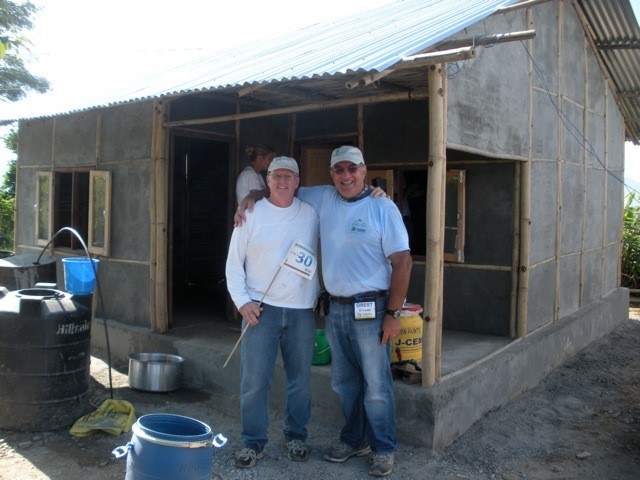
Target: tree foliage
7,194
631,243
7,213
15,79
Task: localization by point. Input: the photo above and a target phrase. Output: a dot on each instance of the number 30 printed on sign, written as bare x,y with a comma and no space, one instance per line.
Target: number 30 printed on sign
301,260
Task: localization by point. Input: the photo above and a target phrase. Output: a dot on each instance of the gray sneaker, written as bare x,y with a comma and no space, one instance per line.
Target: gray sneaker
343,452
298,450
381,465
247,458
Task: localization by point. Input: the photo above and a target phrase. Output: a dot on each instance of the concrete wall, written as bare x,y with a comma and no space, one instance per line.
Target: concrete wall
447,410
488,101
581,203
576,206
118,140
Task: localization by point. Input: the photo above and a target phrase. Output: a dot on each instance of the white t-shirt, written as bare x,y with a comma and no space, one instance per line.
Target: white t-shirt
248,180
258,248
357,239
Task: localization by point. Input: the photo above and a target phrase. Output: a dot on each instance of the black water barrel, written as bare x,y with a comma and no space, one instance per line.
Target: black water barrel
20,271
44,359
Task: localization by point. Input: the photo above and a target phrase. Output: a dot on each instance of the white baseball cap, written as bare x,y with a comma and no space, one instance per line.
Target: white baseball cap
347,153
287,163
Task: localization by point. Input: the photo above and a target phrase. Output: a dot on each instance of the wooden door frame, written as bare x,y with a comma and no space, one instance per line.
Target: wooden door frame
214,137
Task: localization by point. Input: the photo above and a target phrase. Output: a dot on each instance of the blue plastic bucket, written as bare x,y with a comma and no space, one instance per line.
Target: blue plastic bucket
79,278
169,447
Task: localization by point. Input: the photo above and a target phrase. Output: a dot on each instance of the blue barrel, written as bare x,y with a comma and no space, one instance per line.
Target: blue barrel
169,447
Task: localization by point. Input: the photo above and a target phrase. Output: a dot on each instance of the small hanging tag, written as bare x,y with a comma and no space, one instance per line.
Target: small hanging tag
364,310
301,260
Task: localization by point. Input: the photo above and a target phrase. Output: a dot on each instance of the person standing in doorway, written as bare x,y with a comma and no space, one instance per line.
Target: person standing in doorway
251,176
277,304
366,265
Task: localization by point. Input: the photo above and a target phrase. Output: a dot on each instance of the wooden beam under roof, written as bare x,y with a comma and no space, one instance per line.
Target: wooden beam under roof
483,40
371,99
300,93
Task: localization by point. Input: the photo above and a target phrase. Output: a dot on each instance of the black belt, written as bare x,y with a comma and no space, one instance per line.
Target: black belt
360,297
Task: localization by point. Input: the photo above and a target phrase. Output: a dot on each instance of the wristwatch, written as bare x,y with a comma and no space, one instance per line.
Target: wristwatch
393,313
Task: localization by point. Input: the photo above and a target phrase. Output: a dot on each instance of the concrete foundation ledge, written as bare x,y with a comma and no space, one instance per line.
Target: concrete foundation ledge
447,410
430,417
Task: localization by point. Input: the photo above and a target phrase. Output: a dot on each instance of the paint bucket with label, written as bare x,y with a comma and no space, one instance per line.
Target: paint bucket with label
408,344
169,447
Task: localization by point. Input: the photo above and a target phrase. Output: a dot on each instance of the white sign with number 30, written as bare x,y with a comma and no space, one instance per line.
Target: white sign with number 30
301,260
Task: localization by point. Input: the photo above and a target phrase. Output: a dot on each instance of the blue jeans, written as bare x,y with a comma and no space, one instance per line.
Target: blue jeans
293,330
361,376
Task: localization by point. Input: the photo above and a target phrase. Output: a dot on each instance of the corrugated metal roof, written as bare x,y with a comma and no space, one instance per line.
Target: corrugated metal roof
369,41
616,34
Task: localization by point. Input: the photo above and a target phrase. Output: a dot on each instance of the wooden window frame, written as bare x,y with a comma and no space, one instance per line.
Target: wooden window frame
106,213
457,256
46,177
49,177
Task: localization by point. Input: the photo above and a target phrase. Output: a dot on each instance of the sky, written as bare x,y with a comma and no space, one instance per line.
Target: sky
88,46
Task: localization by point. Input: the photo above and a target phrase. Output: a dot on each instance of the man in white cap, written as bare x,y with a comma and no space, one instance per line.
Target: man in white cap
366,265
283,319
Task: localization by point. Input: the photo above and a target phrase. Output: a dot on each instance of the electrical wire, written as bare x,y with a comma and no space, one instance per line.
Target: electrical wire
453,69
574,131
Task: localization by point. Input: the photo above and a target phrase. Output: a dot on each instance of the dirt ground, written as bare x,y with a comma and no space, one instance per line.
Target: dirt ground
582,422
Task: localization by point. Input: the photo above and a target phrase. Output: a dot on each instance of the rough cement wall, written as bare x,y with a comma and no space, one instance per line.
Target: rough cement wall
125,150
487,104
576,206
118,140
35,143
463,399
75,140
126,133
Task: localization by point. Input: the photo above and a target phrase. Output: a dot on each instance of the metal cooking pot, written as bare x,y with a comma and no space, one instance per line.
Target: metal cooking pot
155,372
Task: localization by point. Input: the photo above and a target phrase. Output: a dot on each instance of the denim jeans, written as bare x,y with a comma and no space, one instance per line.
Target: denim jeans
293,330
361,376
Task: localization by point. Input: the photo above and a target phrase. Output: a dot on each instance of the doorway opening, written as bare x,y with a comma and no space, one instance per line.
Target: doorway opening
199,219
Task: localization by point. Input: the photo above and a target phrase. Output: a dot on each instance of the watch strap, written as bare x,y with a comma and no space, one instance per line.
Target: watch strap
393,313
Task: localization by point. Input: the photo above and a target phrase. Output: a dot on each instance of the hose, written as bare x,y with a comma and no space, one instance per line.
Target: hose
95,274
